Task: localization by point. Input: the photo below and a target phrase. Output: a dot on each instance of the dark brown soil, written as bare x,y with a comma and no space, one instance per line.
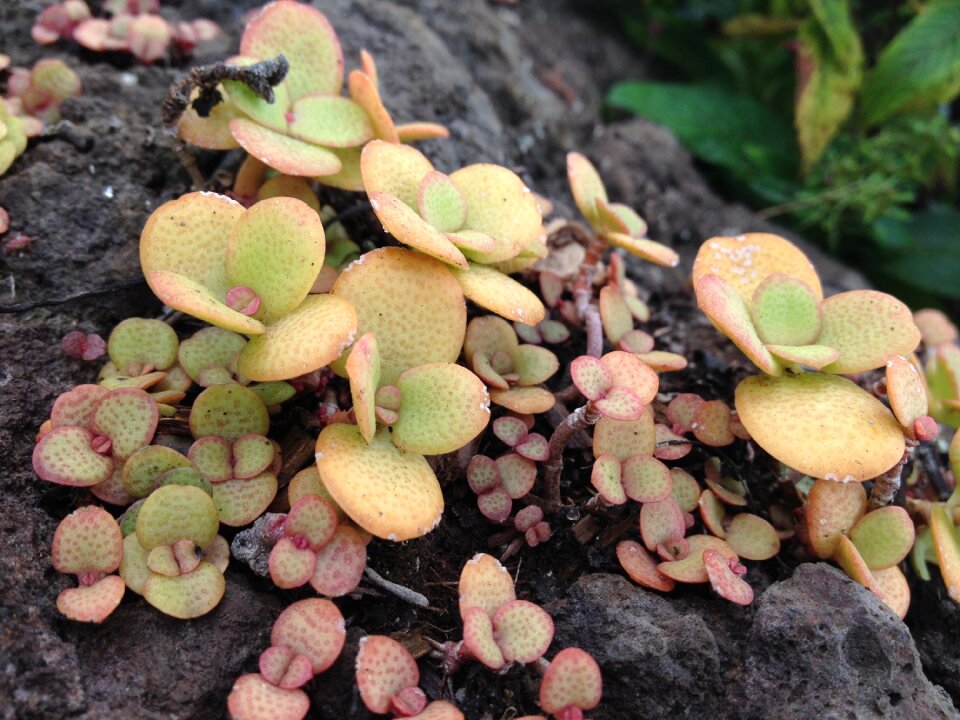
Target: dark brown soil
519,85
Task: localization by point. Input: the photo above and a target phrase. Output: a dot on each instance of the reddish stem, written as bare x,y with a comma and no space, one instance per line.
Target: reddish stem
580,419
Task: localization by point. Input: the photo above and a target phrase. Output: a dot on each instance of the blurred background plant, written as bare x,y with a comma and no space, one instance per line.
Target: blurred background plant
837,118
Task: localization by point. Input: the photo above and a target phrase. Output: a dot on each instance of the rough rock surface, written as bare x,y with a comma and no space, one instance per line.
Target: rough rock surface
519,85
813,646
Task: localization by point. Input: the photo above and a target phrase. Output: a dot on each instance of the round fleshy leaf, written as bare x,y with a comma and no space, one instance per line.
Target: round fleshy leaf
228,411
615,314
686,490
721,302
646,479
441,203
399,497
254,698
906,391
313,335
935,327
641,567
312,627
501,206
572,680
162,561
713,513
186,596
187,295
644,248
212,456
273,393
640,343
691,568
285,186
384,668
483,474
340,563
88,540
785,311
728,490
815,357
509,429
618,217
331,121
522,630
711,424
283,153
822,425
592,378
177,512
533,365
682,410
143,469
143,342
947,544
252,454
210,347
187,238
444,406
211,132
628,371
472,243
363,369
894,589
128,417
605,477
75,407
724,581
411,303
92,603
586,185
489,335
478,638
832,510
534,447
111,490
661,522
752,537
493,290
65,456
185,476
524,400
848,558
623,438
495,505
217,553
408,227
282,667
291,566
867,327
486,584
397,170
661,361
240,502
669,445
276,248
745,261
517,474
313,519
308,482
306,38
133,566
883,536
620,403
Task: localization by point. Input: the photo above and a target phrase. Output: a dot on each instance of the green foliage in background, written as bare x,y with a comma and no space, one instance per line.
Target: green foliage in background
833,116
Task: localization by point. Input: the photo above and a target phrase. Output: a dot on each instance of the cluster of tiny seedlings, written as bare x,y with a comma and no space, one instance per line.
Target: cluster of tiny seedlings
399,375
131,26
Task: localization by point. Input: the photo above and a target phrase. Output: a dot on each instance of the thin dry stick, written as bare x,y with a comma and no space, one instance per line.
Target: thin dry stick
404,593
580,419
885,486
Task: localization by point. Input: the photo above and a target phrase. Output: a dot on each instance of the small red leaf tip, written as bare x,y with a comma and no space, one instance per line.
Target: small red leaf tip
83,346
925,428
243,299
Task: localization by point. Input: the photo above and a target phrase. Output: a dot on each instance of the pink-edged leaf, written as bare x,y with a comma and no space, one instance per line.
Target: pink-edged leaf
533,447
646,479
482,474
661,522
253,698
620,403
510,430
408,702
87,541
517,474
291,566
523,631
591,376
128,417
669,445
572,680
384,668
76,406
711,424
724,581
681,411
92,603
478,638
340,563
284,668
312,627
485,583
495,505
313,519
641,567
65,456
252,455
628,371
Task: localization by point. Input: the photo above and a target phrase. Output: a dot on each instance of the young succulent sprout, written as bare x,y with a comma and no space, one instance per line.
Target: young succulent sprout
305,128
306,640
497,483
452,218
513,431
197,250
570,685
13,141
83,346
88,544
763,293
551,332
512,371
531,524
39,92
59,21
387,677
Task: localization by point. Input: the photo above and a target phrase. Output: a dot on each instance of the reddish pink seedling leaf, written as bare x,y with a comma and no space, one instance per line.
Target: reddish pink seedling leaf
527,518
713,513
312,627
253,698
478,638
66,456
517,474
495,505
533,446
727,583
76,406
511,430
482,474
291,563
711,424
620,403
523,631
682,410
637,342
485,583
591,376
661,522
408,702
628,371
925,428
340,563
646,479
83,346
87,542
313,519
669,445
281,666
691,568
641,567
572,680
384,668
92,603
605,477
675,549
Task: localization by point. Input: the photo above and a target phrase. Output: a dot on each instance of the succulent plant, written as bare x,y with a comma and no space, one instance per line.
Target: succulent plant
306,128
13,138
